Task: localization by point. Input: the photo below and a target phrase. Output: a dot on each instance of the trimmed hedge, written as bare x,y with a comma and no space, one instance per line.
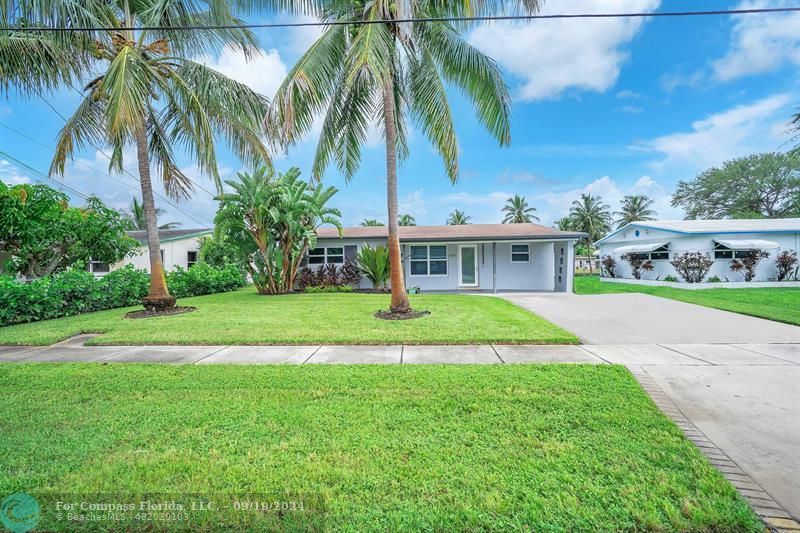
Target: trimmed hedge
73,292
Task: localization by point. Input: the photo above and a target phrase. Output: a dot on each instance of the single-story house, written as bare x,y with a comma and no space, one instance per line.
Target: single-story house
471,257
722,240
179,248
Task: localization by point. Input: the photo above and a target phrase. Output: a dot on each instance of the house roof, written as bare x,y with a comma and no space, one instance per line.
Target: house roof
166,235
694,227
465,232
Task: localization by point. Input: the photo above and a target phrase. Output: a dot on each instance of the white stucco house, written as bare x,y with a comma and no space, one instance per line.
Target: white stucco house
723,240
179,247
470,257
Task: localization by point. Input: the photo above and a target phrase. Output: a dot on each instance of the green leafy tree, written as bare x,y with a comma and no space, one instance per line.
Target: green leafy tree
757,186
391,72
564,224
406,220
517,211
457,218
272,219
135,219
143,90
590,215
795,128
635,208
371,222
43,235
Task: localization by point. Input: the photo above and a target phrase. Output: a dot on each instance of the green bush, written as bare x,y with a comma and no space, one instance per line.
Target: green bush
72,292
328,288
374,264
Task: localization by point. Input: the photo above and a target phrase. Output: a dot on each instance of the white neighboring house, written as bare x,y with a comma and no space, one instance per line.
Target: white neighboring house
723,240
179,248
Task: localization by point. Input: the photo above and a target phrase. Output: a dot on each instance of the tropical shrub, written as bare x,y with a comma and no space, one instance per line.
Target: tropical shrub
202,278
638,264
714,279
786,262
748,264
73,291
692,266
328,288
218,252
374,264
609,266
350,273
670,278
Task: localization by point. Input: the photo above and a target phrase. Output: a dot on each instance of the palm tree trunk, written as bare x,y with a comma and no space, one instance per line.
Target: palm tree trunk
399,302
158,299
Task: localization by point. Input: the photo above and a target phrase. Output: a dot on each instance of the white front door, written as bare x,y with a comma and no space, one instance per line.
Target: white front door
468,265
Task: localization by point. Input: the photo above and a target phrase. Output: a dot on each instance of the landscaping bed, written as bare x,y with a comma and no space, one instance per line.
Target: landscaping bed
444,448
244,317
781,304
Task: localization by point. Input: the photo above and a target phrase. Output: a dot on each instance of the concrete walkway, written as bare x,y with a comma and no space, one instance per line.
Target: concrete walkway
742,401
644,319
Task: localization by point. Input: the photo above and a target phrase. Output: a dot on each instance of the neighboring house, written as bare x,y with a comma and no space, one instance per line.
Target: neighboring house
179,248
722,240
582,262
474,257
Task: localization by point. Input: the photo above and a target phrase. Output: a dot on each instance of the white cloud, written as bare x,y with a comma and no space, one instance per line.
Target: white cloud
631,109
628,94
11,175
263,73
760,43
732,133
553,56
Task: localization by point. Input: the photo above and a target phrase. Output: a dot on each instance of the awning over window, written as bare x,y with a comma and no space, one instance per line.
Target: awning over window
748,244
640,248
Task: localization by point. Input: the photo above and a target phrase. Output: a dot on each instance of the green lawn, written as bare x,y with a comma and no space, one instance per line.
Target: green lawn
382,448
780,304
244,317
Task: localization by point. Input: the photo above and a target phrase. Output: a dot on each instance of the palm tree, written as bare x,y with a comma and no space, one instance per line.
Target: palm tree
518,212
145,92
371,222
135,219
406,220
390,71
591,216
564,224
457,218
635,208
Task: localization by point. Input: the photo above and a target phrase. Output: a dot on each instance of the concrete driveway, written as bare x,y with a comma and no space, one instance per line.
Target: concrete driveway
645,319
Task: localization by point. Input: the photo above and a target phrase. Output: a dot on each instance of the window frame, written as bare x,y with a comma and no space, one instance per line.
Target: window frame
92,263
325,255
511,252
428,261
189,262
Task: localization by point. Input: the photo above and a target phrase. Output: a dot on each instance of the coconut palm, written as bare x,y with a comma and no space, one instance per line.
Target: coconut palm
371,222
389,72
635,208
518,211
457,218
591,216
406,220
564,224
145,92
135,219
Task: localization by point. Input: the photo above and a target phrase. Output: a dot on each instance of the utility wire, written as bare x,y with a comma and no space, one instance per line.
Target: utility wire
104,174
487,18
42,175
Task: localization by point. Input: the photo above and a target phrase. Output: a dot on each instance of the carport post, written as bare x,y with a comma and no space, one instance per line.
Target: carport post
494,267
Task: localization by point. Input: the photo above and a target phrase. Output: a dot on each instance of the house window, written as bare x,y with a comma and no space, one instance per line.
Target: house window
660,254
429,260
191,259
98,267
520,253
723,252
162,255
325,255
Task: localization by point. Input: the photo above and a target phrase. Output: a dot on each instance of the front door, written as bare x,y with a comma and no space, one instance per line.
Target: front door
468,265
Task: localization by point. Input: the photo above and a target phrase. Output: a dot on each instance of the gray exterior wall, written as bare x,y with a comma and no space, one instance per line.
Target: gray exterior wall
495,272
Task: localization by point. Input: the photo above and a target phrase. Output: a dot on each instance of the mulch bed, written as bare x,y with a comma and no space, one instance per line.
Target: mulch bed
144,313
388,315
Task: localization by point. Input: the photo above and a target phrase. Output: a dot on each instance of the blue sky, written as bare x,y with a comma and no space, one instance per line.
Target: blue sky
611,107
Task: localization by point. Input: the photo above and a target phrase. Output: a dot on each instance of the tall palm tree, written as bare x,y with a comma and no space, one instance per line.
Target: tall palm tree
564,224
135,219
591,216
406,220
146,93
635,208
371,222
388,71
457,218
518,211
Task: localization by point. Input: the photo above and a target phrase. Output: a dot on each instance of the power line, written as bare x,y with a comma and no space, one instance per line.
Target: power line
41,175
486,18
104,174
